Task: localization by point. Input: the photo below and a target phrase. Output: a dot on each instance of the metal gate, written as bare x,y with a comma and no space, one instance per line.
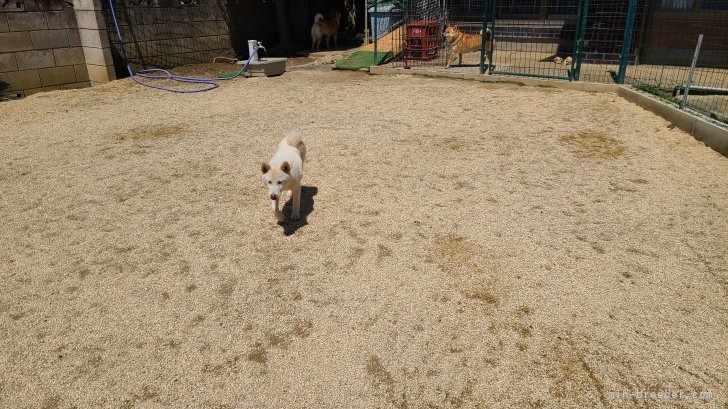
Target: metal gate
556,44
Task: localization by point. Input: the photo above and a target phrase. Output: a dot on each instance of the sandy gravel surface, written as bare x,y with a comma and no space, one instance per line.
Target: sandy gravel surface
539,61
463,245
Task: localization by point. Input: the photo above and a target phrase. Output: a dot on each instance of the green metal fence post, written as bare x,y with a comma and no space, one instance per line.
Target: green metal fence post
482,37
626,41
491,66
375,32
575,46
580,34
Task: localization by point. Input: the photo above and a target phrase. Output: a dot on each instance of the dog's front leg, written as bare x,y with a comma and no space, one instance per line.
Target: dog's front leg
450,60
460,59
296,193
279,214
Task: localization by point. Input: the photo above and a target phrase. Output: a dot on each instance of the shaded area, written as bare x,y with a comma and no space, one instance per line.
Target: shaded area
291,226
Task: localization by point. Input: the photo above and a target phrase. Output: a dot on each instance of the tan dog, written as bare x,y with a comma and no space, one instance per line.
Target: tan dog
328,27
284,171
465,43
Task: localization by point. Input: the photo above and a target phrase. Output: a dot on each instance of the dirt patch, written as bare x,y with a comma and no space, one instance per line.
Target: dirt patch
483,295
258,354
593,144
303,328
150,132
452,253
296,61
574,378
454,143
211,70
340,77
382,378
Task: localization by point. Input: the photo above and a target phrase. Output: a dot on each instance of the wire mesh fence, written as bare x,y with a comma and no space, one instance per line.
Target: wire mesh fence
533,40
168,33
666,49
645,43
708,94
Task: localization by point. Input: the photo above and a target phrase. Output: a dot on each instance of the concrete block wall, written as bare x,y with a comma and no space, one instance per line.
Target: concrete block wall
41,51
73,47
94,40
158,36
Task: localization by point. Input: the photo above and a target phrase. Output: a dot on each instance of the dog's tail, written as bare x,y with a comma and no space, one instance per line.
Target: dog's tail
296,139
318,18
488,33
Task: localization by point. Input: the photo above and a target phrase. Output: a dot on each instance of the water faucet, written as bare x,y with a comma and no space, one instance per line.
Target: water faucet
253,47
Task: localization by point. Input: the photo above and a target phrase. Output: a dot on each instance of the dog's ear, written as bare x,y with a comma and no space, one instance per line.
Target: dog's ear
264,167
285,167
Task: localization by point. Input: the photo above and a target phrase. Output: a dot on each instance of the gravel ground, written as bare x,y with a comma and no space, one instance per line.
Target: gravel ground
463,245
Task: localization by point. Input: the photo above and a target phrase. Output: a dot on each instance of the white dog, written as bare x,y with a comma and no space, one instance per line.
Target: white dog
284,171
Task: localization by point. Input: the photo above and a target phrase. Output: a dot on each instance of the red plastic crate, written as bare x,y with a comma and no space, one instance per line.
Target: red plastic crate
423,41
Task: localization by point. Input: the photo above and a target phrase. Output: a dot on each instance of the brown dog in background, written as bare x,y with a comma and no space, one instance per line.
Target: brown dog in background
328,27
465,43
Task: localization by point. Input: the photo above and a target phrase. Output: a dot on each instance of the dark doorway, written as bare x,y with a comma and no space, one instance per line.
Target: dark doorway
257,20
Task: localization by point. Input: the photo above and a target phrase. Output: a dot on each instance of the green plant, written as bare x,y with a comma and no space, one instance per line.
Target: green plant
658,92
719,118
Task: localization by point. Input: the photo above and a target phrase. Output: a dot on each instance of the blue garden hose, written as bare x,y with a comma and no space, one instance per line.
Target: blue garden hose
210,83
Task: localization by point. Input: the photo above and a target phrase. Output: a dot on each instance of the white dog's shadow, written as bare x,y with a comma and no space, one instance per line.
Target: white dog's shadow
291,226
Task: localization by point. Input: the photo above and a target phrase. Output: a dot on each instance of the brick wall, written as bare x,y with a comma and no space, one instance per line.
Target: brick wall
41,51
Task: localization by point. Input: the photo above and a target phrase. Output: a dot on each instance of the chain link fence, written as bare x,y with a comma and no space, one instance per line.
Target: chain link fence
649,44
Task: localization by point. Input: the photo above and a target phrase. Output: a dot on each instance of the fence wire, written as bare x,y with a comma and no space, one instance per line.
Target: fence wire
645,43
168,33
666,50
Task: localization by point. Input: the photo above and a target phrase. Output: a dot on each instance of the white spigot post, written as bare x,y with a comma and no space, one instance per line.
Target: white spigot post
252,45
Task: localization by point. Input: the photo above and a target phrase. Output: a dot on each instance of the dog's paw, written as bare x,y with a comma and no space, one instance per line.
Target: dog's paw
295,217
